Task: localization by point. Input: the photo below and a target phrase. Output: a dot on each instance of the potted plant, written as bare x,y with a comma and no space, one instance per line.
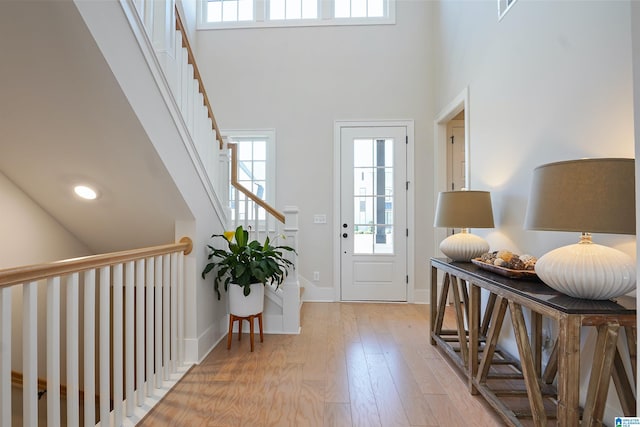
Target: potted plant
245,263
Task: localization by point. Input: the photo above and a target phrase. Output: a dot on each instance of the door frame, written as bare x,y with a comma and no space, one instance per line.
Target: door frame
459,103
338,125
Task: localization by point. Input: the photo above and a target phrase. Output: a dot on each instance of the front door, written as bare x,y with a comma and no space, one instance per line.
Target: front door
373,218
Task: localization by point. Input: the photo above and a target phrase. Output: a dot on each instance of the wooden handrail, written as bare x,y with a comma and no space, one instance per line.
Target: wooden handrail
234,160
234,181
16,275
196,73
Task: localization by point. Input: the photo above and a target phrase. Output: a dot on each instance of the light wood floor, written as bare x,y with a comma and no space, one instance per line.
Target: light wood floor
353,365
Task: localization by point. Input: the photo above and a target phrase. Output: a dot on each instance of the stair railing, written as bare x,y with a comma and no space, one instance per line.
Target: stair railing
177,59
191,60
115,320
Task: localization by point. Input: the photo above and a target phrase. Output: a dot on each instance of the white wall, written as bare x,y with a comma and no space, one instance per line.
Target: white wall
298,81
552,81
30,236
537,96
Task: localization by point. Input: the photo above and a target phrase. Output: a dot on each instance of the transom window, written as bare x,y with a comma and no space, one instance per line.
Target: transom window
359,8
293,9
217,14
229,10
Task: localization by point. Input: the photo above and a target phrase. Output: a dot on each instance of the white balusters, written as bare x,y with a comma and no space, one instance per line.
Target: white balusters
89,348
117,343
158,322
5,356
121,345
150,347
129,337
30,353
174,311
140,299
180,309
53,351
73,359
103,346
166,317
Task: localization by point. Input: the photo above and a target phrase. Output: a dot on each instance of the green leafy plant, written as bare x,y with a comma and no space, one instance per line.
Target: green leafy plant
246,262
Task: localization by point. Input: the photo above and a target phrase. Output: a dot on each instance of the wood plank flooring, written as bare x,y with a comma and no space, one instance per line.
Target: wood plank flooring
354,364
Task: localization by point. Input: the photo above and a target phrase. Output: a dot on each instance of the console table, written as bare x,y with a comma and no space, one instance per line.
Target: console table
506,382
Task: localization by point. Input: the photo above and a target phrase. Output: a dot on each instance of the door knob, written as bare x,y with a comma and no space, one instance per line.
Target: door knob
344,225
345,235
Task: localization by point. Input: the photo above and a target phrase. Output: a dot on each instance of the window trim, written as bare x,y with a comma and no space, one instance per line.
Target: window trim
325,12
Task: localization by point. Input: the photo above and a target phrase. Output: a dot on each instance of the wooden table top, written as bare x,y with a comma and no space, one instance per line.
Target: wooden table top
535,290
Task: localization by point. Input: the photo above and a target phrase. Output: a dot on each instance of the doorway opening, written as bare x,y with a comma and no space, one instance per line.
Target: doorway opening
451,160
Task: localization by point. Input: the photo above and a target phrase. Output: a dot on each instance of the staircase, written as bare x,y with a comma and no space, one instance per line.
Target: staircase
162,37
129,385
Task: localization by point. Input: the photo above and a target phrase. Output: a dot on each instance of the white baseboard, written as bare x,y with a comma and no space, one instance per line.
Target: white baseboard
314,293
190,350
421,296
196,349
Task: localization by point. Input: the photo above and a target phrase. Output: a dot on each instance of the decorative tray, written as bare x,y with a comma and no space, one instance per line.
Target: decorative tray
506,272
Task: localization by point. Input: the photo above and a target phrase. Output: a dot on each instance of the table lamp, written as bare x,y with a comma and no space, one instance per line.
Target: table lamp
587,196
464,209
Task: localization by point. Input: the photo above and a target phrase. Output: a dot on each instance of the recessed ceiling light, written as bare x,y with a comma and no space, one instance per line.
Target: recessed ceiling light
85,192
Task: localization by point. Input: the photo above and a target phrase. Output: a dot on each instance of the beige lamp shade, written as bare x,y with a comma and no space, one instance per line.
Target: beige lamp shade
464,209
587,195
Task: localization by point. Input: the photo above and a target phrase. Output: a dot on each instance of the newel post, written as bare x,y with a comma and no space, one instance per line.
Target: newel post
291,286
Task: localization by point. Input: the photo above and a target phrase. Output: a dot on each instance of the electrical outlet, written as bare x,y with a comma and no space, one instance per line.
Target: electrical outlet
316,276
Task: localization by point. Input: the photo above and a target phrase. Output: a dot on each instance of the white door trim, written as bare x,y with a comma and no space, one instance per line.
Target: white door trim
338,125
459,103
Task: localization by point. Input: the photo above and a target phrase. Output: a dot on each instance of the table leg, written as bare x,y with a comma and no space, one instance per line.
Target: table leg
462,333
527,362
623,387
433,302
536,341
569,371
603,358
552,366
632,342
442,305
474,326
488,312
492,340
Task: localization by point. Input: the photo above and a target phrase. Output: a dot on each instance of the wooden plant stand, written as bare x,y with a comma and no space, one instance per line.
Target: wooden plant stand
233,318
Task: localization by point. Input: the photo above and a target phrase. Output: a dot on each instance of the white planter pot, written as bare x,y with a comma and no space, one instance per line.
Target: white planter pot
242,306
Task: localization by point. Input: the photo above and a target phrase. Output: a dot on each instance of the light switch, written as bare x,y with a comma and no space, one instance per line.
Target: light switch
320,219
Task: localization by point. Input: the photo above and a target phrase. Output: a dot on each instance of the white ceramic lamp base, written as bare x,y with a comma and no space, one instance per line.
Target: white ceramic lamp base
588,270
464,246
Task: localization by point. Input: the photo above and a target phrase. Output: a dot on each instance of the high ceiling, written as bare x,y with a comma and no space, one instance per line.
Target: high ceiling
65,120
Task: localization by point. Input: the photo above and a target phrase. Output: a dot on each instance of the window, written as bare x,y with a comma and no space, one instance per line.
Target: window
359,8
229,10
218,14
293,9
256,169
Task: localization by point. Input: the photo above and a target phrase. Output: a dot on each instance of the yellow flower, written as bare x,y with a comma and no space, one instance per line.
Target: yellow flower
229,235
